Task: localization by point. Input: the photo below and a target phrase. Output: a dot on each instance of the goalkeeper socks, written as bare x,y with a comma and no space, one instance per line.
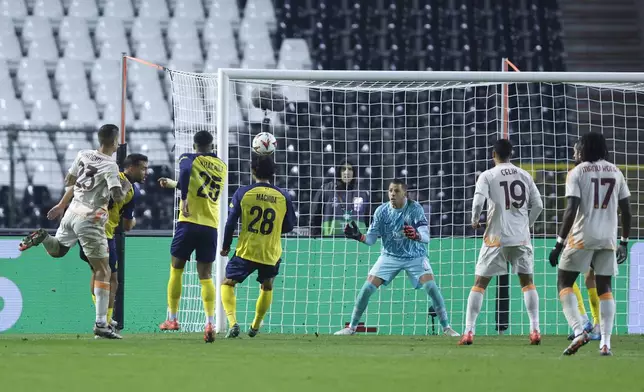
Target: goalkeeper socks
174,292
102,293
208,299
474,303
361,303
580,303
606,317
593,298
52,245
261,307
437,300
230,303
531,299
571,310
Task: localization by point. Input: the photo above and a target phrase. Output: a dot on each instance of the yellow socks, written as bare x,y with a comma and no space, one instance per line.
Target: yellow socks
208,299
93,299
593,298
174,292
230,303
110,312
580,300
261,307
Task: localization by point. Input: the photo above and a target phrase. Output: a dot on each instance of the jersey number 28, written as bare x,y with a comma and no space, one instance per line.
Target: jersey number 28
267,216
212,183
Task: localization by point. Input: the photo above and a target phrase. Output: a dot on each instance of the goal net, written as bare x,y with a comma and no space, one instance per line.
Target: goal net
436,135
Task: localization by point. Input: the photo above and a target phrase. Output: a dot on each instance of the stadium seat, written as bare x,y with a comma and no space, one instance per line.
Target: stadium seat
153,147
113,48
225,14
83,9
145,28
16,9
258,60
223,54
146,91
82,114
20,174
10,49
153,115
105,71
5,76
176,65
36,27
190,9
68,69
51,9
187,51
34,90
214,32
140,73
79,48
156,9
250,33
11,112
294,52
64,139
6,25
31,70
71,90
110,28
118,8
45,113
47,174
261,12
182,29
36,146
151,50
44,48
106,93
112,113
72,27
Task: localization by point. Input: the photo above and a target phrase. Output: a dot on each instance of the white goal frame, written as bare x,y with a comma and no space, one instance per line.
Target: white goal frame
226,75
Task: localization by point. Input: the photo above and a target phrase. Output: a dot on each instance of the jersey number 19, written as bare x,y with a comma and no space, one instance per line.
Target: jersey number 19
512,197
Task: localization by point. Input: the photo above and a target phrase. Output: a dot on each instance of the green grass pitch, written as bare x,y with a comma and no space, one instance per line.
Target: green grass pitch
183,362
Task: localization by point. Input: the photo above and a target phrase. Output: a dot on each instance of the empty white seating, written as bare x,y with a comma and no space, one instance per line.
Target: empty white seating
32,70
11,112
106,71
261,12
44,48
79,48
10,48
150,144
36,145
145,28
250,32
156,9
141,73
20,175
16,9
71,90
6,26
147,91
151,50
51,9
113,48
112,113
7,92
72,150
258,60
213,32
36,27
35,90
182,29
223,53
175,64
4,144
118,8
82,114
107,93
109,27
67,69
154,114
214,63
5,77
47,174
188,51
83,9
64,139
191,9
71,27
224,14
294,54
45,113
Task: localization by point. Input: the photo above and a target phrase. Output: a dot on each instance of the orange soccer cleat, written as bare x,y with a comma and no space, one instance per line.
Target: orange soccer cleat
209,333
535,338
467,339
169,325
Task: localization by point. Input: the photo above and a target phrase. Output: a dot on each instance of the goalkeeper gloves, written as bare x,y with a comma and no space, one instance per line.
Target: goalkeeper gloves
555,252
352,231
410,232
622,251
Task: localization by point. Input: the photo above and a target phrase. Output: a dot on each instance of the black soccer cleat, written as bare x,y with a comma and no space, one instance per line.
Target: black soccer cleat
579,342
233,332
252,332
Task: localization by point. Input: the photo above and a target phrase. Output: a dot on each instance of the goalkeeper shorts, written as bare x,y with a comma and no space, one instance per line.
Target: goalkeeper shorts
387,268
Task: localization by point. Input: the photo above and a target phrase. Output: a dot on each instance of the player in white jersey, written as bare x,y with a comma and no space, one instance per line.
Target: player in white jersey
514,204
594,190
95,177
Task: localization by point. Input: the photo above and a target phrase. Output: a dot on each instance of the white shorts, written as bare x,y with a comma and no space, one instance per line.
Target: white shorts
602,261
493,261
89,231
387,268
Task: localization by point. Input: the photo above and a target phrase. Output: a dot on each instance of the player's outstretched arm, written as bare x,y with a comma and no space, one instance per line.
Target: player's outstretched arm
167,183
568,219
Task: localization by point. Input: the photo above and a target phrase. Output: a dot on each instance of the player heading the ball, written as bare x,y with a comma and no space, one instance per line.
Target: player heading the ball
403,227
513,205
201,176
265,212
594,190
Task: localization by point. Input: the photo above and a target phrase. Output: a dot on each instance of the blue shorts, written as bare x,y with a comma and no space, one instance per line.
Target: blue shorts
387,267
111,247
239,269
191,237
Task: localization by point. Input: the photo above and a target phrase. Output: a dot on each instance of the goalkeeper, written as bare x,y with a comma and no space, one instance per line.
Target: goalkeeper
403,227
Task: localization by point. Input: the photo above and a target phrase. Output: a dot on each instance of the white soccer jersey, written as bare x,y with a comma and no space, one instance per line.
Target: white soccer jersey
96,174
509,191
599,185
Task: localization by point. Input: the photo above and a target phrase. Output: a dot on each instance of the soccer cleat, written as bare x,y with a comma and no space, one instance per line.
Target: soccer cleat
449,331
233,332
588,327
345,332
577,343
605,351
33,239
535,338
252,332
105,331
169,325
467,339
209,333
595,334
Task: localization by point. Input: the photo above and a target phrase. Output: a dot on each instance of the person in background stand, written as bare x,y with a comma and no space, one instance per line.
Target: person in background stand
339,202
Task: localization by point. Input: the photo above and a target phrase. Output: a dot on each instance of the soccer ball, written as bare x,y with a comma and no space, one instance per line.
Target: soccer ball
264,143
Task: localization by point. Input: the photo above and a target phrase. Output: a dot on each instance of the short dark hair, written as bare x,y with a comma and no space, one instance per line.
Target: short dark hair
203,139
399,181
134,160
503,149
107,134
263,167
593,147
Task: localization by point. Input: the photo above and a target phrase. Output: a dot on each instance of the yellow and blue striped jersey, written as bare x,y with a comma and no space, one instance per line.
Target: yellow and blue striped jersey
265,212
201,177
124,208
